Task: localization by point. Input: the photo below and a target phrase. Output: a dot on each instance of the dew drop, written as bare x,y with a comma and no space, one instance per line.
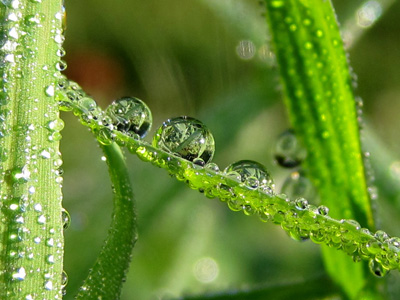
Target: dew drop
130,115
253,174
48,285
323,210
288,151
20,175
50,91
61,65
20,274
64,278
213,167
41,219
301,203
50,259
55,125
377,269
297,185
38,207
66,218
185,137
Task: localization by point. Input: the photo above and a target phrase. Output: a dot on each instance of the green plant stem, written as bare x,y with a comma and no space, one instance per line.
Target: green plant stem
106,277
318,92
31,228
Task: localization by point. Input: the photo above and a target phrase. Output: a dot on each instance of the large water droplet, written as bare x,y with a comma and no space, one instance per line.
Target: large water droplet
131,115
186,137
288,151
253,174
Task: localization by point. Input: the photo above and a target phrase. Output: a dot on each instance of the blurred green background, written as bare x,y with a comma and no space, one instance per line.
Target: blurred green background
210,59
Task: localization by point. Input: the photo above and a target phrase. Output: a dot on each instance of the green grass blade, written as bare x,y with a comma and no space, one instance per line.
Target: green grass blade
108,273
318,92
31,227
300,220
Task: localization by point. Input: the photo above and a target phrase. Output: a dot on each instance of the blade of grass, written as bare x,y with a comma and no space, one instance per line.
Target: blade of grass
318,94
106,277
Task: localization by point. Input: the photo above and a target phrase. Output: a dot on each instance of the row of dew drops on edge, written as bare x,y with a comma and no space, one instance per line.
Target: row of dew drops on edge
185,147
14,28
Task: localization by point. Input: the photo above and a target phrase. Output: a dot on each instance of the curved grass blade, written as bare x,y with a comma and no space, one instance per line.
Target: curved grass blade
318,94
300,220
106,277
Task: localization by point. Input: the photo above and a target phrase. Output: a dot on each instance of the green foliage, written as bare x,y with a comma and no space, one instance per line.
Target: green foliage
178,233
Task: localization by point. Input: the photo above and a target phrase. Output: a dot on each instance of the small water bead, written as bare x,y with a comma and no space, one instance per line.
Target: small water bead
61,65
298,185
185,137
66,218
288,151
381,236
20,175
55,125
301,203
87,104
64,278
253,174
213,167
323,210
377,269
130,115
50,90
20,274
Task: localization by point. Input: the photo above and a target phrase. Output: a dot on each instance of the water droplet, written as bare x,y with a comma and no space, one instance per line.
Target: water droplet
381,236
41,219
199,162
252,174
38,207
297,185
246,50
20,274
50,259
55,125
64,278
48,285
323,210
66,218
213,167
185,137
61,65
301,203
20,175
130,115
288,151
49,90
377,269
